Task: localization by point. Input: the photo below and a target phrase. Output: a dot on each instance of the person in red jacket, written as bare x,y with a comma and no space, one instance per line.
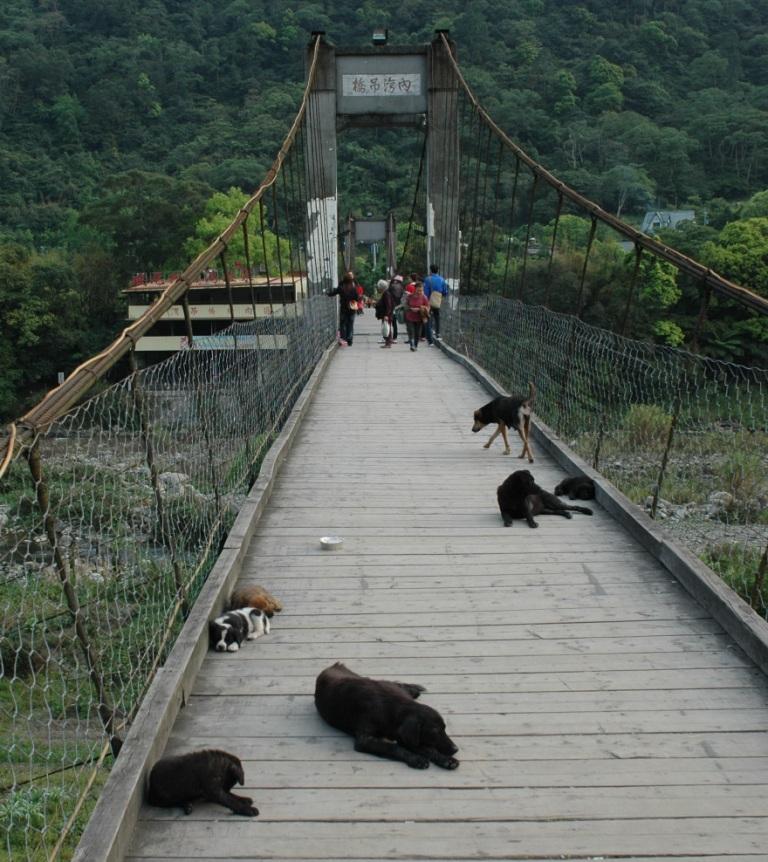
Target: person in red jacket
416,312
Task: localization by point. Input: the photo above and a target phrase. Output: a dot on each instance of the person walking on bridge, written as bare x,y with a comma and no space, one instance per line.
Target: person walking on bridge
347,293
416,313
435,289
397,289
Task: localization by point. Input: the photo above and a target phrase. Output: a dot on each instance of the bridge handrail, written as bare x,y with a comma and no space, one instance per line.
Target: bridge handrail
708,277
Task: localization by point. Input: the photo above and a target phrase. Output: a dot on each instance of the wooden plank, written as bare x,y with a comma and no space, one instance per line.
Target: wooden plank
681,610
488,598
269,546
198,716
563,748
248,838
756,857
516,703
217,678
387,580
486,803
283,632
400,668
310,554
267,648
367,772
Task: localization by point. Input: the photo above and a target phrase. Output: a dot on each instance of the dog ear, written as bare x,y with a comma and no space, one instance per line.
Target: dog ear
409,731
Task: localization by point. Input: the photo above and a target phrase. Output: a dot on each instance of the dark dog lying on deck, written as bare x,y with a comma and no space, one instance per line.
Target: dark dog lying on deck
384,718
508,412
520,497
577,488
208,774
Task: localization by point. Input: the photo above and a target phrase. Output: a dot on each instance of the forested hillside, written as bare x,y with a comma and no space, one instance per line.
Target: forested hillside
109,109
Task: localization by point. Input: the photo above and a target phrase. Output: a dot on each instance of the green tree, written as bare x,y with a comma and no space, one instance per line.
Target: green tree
626,186
219,211
147,217
740,253
756,206
42,318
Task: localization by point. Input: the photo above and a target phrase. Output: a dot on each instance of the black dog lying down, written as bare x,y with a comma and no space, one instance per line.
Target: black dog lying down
384,718
520,497
208,774
577,488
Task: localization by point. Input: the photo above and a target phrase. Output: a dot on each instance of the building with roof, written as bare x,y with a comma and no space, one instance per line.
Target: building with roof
655,220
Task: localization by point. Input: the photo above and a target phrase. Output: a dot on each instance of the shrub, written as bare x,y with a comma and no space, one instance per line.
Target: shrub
646,426
738,566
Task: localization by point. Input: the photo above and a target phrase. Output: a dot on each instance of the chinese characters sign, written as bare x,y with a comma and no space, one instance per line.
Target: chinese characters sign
381,85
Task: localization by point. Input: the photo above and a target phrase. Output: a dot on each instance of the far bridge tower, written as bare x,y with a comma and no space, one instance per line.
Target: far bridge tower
384,86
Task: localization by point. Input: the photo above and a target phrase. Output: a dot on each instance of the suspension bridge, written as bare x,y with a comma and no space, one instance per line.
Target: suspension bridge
604,677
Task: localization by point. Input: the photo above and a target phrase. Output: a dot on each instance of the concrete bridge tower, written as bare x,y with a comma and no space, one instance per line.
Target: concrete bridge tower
390,87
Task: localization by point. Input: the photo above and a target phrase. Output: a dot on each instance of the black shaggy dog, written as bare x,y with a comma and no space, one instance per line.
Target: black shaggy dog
520,497
577,488
208,774
384,718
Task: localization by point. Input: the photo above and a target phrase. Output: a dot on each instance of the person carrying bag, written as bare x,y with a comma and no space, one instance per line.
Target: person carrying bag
435,289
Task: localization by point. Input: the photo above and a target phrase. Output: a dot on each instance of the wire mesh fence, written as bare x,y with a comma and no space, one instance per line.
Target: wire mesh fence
111,522
683,436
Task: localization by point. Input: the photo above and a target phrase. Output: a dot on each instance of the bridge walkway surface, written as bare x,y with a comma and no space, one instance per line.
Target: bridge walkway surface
600,712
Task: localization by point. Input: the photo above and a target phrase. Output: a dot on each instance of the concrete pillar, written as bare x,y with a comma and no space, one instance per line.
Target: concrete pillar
320,154
391,243
442,167
350,243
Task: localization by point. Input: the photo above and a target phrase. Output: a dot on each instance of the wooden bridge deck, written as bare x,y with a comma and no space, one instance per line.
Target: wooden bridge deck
600,712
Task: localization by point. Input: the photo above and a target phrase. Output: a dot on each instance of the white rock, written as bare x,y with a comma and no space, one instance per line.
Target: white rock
172,484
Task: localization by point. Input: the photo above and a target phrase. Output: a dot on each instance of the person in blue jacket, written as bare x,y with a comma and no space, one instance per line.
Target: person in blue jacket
435,289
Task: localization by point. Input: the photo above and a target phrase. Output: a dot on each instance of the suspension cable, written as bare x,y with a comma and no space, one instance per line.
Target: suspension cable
716,282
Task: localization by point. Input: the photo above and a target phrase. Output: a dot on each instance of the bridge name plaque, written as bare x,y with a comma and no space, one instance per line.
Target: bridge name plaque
381,84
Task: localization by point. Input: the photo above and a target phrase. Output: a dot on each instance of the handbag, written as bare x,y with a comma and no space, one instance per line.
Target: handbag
435,299
385,328
353,305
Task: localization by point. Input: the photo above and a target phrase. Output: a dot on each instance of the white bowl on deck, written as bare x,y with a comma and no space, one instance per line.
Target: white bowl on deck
331,543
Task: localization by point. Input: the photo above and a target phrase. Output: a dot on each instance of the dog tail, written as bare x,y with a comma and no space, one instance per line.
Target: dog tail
531,391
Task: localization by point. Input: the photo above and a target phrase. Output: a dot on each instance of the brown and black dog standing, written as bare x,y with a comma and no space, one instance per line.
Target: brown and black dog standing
512,411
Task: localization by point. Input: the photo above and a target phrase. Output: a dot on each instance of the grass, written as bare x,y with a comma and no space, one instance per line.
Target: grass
33,817
738,567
